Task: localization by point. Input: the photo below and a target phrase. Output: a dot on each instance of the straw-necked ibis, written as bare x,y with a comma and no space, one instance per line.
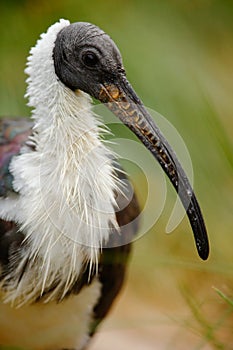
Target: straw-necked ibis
64,244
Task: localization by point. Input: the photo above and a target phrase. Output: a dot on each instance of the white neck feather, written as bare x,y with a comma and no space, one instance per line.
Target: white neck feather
66,202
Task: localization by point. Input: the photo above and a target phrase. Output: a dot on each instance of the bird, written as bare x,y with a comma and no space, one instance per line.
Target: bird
65,237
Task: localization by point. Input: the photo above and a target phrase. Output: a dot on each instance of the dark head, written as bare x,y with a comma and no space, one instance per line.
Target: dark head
87,59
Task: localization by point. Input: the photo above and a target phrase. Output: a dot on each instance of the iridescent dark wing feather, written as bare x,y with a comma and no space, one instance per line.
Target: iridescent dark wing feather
13,135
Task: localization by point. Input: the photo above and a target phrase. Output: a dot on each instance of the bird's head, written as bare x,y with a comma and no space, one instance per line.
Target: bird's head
87,59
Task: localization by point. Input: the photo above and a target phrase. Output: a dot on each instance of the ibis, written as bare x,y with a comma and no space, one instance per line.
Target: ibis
65,239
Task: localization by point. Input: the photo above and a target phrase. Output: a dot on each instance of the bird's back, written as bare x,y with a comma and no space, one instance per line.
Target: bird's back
13,135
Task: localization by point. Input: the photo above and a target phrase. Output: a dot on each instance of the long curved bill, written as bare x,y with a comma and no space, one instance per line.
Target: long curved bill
121,99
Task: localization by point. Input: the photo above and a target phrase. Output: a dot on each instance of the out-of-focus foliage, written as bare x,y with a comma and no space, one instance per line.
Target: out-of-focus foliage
178,56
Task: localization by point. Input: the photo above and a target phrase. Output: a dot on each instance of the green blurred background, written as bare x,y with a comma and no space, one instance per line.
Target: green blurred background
179,57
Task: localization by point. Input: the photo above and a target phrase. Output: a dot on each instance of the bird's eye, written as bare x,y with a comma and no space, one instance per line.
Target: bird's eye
90,59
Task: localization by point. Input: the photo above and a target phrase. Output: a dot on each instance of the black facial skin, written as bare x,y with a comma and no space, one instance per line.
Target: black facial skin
85,58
